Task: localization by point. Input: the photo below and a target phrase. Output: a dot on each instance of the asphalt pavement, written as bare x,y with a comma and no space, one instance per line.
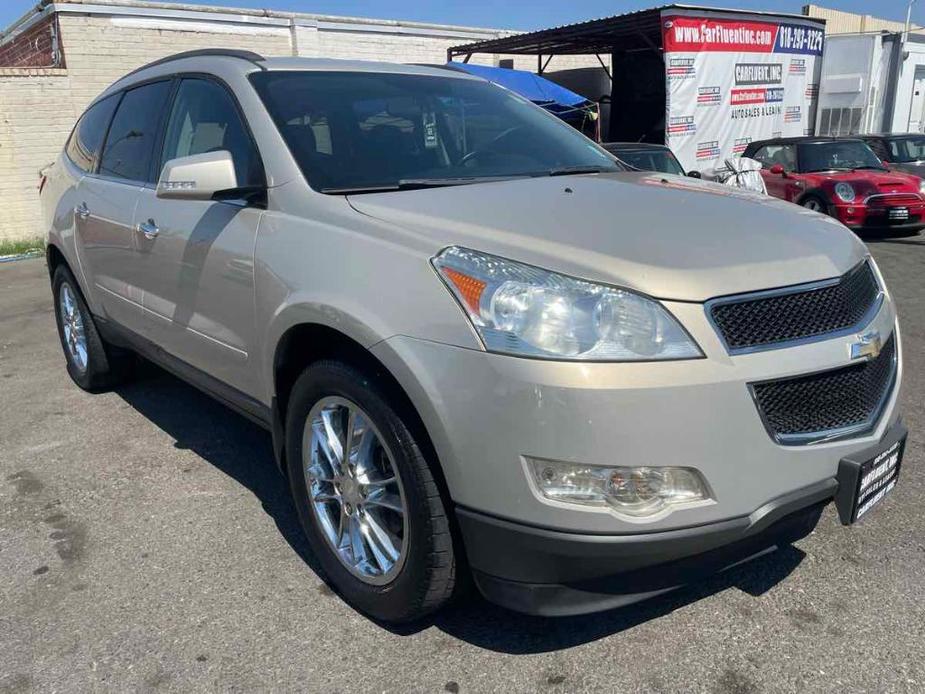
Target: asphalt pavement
147,543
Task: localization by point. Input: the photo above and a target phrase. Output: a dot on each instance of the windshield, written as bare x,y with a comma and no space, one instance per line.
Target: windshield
907,149
651,160
351,131
837,156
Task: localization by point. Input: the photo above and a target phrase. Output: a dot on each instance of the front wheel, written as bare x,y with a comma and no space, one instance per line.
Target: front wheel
815,204
365,494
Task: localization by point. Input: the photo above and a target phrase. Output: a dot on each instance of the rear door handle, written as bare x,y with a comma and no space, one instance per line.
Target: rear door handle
149,229
82,211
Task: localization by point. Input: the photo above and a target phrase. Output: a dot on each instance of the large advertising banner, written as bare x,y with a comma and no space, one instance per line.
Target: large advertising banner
730,81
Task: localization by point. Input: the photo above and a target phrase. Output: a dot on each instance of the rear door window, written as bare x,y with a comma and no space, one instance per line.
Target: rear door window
83,149
130,144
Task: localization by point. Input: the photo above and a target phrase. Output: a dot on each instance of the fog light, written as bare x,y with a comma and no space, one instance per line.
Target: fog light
634,491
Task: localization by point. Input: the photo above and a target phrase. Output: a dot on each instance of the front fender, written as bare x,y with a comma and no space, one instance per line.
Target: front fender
306,311
334,267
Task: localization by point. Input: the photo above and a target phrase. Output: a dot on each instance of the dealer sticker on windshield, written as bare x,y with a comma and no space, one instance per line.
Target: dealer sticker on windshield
864,484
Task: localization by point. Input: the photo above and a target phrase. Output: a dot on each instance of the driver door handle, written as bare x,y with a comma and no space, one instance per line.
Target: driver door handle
82,211
149,229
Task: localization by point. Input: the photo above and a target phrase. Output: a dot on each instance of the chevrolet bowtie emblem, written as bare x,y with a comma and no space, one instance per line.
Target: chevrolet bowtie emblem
868,346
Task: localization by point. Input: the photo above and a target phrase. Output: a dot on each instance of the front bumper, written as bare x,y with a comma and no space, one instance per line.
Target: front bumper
862,217
552,574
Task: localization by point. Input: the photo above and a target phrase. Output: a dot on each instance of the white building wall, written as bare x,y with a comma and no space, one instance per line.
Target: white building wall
849,85
905,88
856,74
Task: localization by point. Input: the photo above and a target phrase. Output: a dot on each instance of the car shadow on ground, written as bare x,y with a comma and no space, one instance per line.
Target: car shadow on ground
242,450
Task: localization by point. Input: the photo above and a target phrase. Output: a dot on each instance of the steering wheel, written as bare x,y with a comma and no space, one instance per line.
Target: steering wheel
493,141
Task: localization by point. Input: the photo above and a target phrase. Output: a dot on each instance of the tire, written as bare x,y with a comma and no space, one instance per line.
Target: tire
815,203
92,364
423,578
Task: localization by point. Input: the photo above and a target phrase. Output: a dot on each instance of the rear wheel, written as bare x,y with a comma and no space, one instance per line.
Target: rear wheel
366,496
91,363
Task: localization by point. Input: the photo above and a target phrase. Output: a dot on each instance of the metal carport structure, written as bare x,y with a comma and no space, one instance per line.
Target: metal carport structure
639,31
650,98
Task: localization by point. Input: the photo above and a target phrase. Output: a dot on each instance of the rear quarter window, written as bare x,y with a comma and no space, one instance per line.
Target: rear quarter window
83,149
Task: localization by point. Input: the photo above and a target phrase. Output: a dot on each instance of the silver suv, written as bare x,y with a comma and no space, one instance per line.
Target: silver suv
481,346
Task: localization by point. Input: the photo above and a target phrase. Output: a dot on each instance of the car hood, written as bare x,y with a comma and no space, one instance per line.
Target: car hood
666,236
870,180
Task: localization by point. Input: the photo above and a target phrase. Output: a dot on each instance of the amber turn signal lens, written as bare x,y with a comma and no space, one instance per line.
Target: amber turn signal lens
469,288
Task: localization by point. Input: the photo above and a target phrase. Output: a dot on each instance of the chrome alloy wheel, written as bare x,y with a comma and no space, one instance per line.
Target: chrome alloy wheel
72,324
354,490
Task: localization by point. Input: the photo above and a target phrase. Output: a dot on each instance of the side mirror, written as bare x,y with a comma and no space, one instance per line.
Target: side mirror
694,174
777,170
197,177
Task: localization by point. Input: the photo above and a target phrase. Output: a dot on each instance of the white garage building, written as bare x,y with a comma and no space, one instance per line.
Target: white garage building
872,83
55,59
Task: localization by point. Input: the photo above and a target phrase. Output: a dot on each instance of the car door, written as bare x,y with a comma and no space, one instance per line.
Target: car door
103,219
197,261
107,242
778,185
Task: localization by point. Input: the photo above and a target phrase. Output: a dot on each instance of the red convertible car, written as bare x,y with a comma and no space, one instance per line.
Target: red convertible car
842,178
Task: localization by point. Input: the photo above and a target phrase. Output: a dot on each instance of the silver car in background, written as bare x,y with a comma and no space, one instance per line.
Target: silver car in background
481,346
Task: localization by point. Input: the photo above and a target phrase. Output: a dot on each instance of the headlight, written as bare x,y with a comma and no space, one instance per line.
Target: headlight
524,310
844,191
634,491
922,186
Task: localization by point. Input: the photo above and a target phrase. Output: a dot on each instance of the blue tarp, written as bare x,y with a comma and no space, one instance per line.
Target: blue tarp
533,87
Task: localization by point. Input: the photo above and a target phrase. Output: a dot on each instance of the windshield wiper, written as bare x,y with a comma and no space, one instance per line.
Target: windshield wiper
828,168
357,190
580,169
869,166
418,184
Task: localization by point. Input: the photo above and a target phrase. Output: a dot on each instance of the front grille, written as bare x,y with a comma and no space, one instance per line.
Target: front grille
890,199
768,319
846,400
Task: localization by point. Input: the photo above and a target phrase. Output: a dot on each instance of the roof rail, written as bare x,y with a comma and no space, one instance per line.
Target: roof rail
249,56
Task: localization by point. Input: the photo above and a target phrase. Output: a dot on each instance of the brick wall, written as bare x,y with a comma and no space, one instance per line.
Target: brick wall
39,107
35,109
34,47
841,22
